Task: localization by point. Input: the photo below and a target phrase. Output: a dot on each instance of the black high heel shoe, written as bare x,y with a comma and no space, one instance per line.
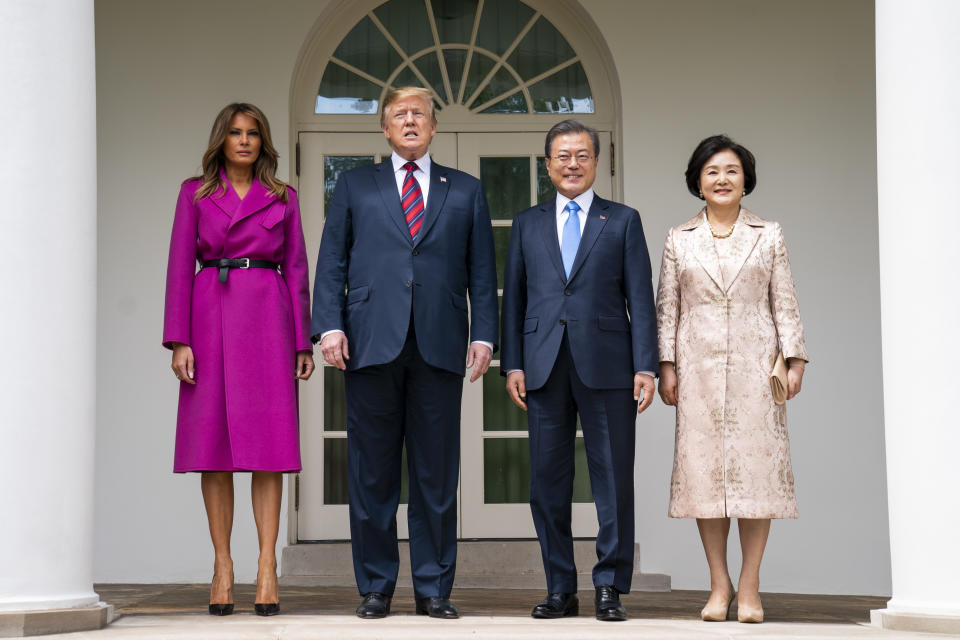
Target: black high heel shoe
221,609
269,609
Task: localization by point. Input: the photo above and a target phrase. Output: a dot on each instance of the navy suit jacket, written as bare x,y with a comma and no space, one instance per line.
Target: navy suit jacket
370,272
606,307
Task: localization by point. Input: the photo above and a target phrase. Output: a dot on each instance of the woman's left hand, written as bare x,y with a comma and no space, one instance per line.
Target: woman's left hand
794,377
305,365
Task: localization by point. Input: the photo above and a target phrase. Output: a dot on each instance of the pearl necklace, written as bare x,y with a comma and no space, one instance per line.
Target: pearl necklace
721,235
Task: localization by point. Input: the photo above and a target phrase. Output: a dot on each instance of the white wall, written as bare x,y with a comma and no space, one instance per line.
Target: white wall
164,70
793,81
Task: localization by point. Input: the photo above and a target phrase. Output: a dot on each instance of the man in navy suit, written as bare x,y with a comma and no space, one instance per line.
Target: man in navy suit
580,337
403,244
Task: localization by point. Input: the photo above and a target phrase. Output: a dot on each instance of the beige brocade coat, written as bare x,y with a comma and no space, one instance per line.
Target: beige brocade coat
732,453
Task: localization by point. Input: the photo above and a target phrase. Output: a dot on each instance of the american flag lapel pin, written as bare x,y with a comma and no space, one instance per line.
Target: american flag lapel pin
603,217
443,178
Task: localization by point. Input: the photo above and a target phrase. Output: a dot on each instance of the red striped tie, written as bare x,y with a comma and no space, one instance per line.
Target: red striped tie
411,199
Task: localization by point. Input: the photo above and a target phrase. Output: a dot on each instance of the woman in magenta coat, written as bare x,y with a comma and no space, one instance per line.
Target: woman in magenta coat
239,330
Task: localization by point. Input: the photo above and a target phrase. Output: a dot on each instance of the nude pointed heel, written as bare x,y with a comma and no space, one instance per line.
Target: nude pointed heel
750,614
717,614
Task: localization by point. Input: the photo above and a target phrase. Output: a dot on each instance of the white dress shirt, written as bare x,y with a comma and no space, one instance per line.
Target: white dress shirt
422,174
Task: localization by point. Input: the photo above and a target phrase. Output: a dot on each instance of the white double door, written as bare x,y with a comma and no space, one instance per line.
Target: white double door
493,495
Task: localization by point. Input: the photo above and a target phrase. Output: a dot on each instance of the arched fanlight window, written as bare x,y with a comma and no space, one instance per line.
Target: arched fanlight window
491,56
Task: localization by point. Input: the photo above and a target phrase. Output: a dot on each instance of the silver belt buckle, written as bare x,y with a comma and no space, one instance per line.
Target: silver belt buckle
245,263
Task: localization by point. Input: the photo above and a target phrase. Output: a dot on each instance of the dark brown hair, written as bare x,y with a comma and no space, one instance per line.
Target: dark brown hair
264,167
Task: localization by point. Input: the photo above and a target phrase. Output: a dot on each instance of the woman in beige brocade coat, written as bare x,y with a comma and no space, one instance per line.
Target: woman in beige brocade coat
725,303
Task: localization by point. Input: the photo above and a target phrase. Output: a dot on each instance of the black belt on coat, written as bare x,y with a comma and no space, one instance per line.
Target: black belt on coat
225,264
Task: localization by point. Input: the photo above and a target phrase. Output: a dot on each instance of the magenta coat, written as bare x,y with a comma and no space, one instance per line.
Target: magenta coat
242,413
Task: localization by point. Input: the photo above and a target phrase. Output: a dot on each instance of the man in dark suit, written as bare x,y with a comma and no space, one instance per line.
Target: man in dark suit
580,337
403,243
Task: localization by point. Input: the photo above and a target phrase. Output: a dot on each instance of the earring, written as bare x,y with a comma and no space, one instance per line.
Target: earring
744,194
701,194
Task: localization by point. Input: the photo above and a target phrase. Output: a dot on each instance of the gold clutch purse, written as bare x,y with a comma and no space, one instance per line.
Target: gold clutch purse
778,379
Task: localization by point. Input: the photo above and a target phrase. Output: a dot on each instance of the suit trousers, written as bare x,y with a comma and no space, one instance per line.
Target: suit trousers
404,402
608,418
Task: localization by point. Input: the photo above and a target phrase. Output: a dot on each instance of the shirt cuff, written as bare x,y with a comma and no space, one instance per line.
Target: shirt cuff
509,371
326,333
647,373
488,345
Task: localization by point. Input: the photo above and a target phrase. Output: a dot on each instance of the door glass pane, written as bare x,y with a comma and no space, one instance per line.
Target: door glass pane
333,167
455,59
480,66
366,49
506,471
343,91
454,19
507,185
501,82
334,400
541,49
406,20
335,473
501,240
500,24
499,412
429,66
406,78
566,91
513,103
545,189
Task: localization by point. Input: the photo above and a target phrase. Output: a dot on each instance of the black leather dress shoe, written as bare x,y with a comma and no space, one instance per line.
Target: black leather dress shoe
437,608
557,605
221,609
374,605
266,609
608,604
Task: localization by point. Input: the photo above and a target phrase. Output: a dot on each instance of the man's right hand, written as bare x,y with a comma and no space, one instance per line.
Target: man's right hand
517,388
334,349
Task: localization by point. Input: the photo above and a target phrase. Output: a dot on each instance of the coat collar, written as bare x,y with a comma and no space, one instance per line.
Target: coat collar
746,216
257,198
742,244
591,230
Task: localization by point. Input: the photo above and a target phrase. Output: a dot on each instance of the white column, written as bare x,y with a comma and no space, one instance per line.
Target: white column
918,155
48,296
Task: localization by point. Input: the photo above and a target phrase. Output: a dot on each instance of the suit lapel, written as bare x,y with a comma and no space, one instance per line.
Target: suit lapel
742,243
256,199
439,187
547,230
706,250
387,183
594,225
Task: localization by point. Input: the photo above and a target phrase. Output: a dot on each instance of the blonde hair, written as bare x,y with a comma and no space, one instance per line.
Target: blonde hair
265,166
395,95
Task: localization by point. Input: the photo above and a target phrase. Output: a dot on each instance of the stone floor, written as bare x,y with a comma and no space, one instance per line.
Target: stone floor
179,611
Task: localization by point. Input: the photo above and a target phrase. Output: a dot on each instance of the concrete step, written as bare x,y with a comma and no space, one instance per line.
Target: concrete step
499,564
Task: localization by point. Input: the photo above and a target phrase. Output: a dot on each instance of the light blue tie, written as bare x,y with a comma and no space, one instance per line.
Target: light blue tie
571,237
